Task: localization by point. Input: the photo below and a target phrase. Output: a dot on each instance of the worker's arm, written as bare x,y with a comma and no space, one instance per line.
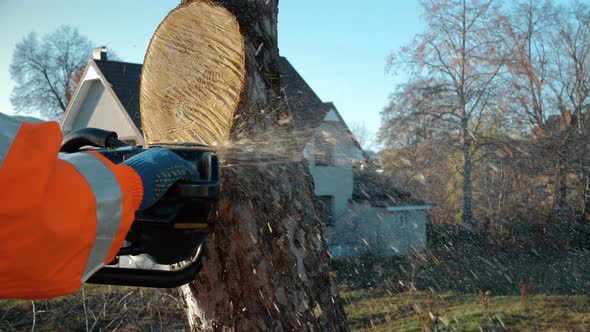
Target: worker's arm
61,218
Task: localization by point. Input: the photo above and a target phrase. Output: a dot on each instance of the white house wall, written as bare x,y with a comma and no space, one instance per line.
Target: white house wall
376,231
100,109
91,74
336,180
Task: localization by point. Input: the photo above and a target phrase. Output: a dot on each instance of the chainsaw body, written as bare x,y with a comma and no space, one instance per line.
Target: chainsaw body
173,230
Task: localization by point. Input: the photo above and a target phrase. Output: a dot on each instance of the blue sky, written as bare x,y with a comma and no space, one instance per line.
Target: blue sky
338,46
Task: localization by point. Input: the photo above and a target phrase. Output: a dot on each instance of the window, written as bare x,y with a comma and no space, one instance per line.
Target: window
327,209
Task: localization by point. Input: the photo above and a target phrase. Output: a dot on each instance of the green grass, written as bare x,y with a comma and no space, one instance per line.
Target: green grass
374,309
377,310
439,290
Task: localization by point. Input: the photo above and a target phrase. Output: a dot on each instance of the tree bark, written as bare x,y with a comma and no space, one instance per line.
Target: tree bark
266,266
467,187
565,141
586,184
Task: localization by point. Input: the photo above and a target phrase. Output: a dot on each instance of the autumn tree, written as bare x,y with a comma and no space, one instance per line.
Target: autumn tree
211,76
570,84
527,31
571,67
548,83
548,62
454,65
44,70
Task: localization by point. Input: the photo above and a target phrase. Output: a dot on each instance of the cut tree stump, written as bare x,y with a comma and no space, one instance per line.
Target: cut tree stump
211,76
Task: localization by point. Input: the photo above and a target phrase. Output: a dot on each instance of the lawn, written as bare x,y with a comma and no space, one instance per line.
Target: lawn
377,310
468,288
374,309
429,292
97,308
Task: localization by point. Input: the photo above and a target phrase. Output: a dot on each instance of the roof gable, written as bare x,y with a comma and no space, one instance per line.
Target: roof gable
100,108
332,115
306,108
124,79
93,74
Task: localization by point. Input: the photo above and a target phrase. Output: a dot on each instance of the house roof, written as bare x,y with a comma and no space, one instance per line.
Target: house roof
377,190
124,79
306,108
559,123
331,107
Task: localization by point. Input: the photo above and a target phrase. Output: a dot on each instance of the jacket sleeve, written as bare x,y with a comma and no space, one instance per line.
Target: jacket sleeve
62,217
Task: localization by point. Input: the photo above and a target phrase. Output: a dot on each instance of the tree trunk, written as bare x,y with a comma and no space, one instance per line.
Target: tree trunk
562,207
586,191
560,202
266,266
467,190
467,177
585,176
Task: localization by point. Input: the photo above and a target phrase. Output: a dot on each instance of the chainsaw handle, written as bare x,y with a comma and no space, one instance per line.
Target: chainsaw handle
118,276
99,138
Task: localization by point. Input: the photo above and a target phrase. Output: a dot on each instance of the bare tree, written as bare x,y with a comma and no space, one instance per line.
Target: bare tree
571,89
527,37
548,86
455,64
363,135
45,70
571,65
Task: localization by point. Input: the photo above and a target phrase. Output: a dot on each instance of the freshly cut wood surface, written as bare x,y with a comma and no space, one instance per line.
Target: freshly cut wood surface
192,76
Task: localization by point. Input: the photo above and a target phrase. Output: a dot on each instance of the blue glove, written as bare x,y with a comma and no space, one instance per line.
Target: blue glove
159,169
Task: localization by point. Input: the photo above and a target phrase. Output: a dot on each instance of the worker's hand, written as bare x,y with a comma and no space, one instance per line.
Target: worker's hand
159,169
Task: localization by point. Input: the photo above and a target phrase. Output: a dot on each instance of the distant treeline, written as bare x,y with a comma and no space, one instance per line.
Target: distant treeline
492,125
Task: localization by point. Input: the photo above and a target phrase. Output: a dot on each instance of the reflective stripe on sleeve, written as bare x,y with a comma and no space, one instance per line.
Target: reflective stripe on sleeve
108,196
9,127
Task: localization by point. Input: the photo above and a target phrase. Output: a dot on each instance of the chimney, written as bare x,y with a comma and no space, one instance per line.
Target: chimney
99,53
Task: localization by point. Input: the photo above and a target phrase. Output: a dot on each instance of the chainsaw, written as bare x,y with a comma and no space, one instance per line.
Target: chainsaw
171,232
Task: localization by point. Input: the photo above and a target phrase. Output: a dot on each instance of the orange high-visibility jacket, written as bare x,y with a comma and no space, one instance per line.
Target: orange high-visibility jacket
62,216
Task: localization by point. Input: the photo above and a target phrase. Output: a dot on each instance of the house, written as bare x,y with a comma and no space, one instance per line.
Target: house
362,213
108,98
383,221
